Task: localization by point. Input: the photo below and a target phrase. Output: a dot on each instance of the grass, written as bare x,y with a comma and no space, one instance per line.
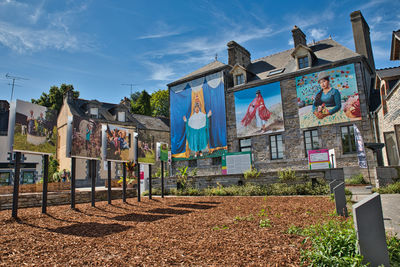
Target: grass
388,189
20,143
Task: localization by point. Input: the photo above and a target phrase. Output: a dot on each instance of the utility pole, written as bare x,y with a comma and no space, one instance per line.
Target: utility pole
13,78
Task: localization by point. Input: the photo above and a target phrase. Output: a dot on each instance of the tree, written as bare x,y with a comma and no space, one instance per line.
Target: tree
160,103
142,104
54,99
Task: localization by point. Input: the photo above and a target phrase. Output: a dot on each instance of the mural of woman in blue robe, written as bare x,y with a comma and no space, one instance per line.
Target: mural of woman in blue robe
197,130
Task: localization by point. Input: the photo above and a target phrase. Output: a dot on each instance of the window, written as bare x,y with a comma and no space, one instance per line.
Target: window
276,146
216,161
303,62
245,145
94,113
276,71
28,177
192,163
3,123
121,116
239,79
311,140
5,178
348,142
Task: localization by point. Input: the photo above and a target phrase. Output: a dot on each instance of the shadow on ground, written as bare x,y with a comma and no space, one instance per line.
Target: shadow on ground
136,217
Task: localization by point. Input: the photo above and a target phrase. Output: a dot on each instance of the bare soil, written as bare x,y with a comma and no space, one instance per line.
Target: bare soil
199,231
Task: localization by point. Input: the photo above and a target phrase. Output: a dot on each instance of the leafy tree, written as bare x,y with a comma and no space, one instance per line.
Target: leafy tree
142,104
54,99
159,103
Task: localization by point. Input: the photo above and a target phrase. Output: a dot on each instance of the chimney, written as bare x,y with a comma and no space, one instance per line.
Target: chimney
126,102
298,36
237,54
362,40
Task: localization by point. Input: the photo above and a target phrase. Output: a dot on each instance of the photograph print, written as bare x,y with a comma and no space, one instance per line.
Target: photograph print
146,147
118,143
86,138
35,128
259,110
328,97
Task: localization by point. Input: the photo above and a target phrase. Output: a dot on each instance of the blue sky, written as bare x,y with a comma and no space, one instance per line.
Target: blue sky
97,45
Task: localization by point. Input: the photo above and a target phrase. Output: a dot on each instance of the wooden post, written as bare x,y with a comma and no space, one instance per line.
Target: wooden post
138,182
150,186
16,184
162,179
124,182
45,181
73,184
109,182
93,177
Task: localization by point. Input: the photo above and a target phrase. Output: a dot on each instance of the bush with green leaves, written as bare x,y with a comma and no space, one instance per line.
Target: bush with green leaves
251,173
388,189
355,179
287,176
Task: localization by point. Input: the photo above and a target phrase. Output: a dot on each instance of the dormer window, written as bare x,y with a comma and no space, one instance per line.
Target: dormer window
239,79
121,116
303,62
94,113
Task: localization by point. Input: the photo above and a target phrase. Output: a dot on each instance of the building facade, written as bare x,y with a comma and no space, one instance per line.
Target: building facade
276,106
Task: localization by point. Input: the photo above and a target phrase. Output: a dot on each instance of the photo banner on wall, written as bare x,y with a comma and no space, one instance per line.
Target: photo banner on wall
146,147
259,110
198,120
86,138
117,144
328,97
32,128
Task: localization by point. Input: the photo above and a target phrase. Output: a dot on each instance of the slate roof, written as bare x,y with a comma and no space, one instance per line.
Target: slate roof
326,51
79,107
207,69
388,72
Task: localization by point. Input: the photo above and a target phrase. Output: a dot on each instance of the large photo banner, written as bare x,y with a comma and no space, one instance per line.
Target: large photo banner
118,143
86,138
328,97
33,128
259,110
146,147
198,121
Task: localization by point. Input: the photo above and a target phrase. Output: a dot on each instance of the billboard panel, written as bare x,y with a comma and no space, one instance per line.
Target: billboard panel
146,147
198,121
86,138
259,110
118,143
33,128
328,97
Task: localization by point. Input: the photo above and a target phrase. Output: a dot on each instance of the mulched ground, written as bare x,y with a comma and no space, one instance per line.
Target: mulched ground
200,231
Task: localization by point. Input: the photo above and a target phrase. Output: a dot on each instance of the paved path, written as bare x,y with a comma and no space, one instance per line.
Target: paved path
390,207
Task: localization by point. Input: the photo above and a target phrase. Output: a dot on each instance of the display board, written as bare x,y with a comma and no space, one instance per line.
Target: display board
319,159
238,162
162,151
32,128
328,97
86,138
259,110
198,121
117,144
146,147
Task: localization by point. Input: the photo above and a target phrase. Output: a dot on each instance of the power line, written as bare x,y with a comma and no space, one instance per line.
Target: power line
14,78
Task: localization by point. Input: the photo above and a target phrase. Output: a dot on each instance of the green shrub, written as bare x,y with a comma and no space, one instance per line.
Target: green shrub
356,179
287,175
394,250
251,173
388,189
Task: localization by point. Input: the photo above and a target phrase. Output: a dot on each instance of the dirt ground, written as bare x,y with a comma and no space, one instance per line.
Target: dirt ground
200,231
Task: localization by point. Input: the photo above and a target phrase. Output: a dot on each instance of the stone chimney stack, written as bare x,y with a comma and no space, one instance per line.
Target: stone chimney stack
298,36
126,102
237,54
362,39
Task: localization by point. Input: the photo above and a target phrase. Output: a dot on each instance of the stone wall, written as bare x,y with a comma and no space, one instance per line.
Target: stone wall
27,200
386,175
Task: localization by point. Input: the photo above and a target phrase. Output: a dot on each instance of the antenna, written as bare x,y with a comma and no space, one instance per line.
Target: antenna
14,78
216,56
129,84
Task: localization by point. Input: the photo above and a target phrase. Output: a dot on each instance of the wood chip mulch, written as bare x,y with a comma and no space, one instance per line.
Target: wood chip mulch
199,231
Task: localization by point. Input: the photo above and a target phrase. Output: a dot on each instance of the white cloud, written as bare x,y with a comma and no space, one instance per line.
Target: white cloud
380,53
291,42
162,34
160,72
317,34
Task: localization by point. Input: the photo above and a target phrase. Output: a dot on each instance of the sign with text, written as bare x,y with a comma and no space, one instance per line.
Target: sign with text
238,162
319,159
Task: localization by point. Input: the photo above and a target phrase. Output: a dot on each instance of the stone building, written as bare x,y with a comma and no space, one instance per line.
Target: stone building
283,140
116,114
